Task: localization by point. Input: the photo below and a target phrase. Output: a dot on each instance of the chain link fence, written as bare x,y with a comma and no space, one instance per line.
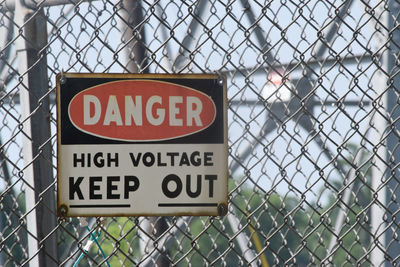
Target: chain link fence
313,129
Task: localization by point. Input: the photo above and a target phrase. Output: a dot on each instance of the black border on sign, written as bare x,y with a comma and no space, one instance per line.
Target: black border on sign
207,84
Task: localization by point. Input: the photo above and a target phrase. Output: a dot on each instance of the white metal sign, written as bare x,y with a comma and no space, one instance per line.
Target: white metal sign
132,145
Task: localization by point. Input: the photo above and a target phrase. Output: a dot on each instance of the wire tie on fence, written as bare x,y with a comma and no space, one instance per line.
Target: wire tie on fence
94,236
221,77
63,79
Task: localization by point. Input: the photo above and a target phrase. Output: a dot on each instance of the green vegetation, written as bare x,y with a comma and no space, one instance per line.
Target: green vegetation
290,229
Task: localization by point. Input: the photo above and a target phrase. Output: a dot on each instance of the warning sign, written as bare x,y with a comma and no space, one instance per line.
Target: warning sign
136,145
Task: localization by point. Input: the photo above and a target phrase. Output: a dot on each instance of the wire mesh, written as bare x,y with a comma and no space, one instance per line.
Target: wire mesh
313,129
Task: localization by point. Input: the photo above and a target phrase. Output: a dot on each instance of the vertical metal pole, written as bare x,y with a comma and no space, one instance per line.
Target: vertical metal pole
379,123
378,180
393,140
134,35
40,193
31,218
243,240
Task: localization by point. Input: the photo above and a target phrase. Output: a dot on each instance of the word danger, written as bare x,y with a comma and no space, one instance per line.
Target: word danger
134,111
141,110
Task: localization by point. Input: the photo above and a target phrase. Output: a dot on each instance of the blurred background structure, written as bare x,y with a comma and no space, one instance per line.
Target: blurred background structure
313,91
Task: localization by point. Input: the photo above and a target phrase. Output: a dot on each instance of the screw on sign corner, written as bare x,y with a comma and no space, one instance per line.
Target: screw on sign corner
63,79
222,209
63,210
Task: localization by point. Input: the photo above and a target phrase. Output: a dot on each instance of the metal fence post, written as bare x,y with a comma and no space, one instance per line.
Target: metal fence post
393,113
40,195
379,123
134,36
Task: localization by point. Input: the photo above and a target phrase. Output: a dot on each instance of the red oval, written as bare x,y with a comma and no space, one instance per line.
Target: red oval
141,110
